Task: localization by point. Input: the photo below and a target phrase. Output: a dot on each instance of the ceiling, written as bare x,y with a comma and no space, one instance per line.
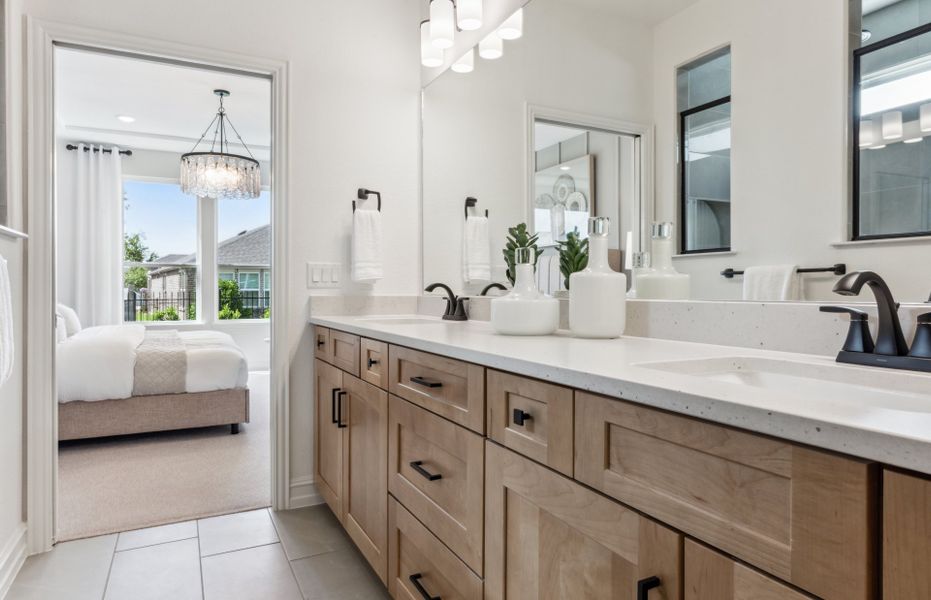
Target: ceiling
871,6
548,134
649,12
172,104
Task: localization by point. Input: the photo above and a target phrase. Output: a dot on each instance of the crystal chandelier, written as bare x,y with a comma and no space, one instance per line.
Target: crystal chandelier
218,173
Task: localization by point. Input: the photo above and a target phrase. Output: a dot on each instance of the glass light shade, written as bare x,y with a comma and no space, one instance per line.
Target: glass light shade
924,117
466,63
216,175
867,134
892,125
492,47
442,23
470,14
430,55
513,26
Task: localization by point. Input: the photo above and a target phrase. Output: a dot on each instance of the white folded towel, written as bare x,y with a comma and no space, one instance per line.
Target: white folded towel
7,347
476,250
366,246
771,283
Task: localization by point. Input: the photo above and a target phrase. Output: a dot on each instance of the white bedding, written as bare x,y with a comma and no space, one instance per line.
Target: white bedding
97,363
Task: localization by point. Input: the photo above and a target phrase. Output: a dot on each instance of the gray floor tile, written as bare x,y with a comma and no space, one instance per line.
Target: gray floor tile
340,575
236,532
159,572
309,531
151,536
77,568
261,573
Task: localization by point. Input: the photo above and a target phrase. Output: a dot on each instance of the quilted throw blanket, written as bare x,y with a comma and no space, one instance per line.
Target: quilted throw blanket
161,364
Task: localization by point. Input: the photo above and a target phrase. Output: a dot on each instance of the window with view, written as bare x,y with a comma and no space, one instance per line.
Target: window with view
244,258
704,105
160,229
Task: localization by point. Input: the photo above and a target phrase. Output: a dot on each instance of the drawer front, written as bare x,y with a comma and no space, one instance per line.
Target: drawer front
906,536
802,515
710,575
451,388
344,351
373,363
436,470
321,343
531,417
416,555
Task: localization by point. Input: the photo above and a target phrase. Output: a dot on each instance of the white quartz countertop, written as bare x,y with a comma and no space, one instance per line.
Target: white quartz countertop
896,432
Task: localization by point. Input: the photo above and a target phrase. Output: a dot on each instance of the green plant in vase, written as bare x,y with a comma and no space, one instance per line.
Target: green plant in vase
519,237
573,255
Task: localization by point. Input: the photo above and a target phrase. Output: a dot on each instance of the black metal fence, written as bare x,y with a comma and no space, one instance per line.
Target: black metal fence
254,304
181,306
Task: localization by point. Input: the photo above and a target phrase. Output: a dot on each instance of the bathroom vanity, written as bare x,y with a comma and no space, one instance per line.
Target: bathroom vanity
469,465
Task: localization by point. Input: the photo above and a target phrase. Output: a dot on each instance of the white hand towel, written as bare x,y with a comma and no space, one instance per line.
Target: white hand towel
7,347
476,250
771,283
366,246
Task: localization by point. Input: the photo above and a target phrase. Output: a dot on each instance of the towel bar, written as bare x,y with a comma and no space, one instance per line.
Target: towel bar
838,269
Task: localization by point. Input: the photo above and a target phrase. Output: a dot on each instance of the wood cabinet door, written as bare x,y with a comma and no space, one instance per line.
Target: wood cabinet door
321,343
713,576
548,537
328,441
365,470
343,351
906,536
373,366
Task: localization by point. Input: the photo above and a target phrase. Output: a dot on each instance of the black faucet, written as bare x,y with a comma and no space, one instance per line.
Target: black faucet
890,341
455,306
492,286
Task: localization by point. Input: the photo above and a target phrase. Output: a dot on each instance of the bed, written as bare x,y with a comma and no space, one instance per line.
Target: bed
126,379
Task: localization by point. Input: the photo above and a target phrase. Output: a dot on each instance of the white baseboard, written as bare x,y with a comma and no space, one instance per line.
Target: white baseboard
304,493
12,557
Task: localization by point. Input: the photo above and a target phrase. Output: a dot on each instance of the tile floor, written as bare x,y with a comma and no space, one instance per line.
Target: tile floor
260,554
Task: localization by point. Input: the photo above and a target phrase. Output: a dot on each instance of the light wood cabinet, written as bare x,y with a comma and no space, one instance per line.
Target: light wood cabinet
328,441
802,515
421,566
549,537
450,388
338,349
906,536
373,363
710,575
436,470
321,343
532,417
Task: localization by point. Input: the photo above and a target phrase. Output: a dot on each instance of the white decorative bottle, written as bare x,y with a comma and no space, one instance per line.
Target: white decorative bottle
525,310
597,294
663,282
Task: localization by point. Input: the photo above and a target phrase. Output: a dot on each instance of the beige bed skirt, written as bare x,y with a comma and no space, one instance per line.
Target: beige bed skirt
141,414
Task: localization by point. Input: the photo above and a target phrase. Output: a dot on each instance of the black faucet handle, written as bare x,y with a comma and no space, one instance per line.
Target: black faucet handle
859,338
459,314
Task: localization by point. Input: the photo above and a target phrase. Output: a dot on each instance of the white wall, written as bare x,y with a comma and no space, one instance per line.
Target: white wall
789,153
353,121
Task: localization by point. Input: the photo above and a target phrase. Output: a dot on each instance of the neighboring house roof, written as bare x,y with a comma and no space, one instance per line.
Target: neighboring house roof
251,248
171,258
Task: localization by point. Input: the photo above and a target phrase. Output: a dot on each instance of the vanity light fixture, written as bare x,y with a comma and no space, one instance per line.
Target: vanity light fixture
867,133
442,23
430,55
924,117
892,125
217,173
465,63
513,26
469,14
492,47
865,35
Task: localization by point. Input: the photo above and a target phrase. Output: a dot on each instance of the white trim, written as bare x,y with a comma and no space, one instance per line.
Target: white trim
304,493
13,233
914,240
12,557
41,444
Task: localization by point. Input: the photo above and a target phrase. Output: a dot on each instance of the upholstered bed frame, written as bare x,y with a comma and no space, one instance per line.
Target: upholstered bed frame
142,414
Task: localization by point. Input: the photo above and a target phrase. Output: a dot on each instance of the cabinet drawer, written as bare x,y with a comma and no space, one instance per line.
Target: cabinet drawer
450,388
344,351
710,575
802,515
321,343
373,363
415,554
906,536
436,470
531,417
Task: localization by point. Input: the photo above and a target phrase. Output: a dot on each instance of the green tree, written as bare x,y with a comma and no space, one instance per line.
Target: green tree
230,299
135,250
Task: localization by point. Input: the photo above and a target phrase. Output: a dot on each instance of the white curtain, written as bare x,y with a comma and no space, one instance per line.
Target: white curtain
89,193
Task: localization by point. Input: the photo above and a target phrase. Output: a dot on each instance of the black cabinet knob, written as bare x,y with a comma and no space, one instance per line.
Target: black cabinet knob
520,417
371,362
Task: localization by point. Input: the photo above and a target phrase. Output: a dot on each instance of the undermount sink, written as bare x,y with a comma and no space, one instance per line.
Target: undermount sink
402,320
850,385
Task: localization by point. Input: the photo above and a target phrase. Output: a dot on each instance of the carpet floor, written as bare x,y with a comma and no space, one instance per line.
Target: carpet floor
130,482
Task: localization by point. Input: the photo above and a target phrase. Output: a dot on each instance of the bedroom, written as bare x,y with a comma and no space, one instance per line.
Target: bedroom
163,294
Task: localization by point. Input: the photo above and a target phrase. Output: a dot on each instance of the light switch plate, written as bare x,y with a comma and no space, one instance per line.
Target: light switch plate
323,275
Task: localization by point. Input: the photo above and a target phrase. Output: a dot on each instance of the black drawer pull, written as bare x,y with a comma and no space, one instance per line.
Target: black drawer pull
416,465
333,406
372,362
320,343
521,416
645,585
429,383
415,579
339,409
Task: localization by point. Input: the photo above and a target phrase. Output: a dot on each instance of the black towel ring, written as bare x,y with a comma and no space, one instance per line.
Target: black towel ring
470,202
363,194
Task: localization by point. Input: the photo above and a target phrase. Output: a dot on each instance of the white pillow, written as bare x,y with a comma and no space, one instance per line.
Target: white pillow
61,332
72,322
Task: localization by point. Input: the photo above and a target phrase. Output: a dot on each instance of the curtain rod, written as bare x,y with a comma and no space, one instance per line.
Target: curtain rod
105,150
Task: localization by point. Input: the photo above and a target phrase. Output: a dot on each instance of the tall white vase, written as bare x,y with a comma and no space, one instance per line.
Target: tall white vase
525,310
597,294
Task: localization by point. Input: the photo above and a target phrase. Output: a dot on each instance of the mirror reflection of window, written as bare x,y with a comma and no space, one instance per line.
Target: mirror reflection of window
704,104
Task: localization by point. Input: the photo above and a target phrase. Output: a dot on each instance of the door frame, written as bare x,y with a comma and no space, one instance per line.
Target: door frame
41,465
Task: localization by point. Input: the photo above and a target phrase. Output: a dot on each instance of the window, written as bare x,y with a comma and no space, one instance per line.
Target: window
160,229
892,124
244,257
704,104
249,281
